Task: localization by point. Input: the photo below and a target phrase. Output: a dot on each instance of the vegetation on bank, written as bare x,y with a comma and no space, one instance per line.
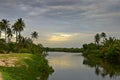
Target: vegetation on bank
63,49
26,66
105,48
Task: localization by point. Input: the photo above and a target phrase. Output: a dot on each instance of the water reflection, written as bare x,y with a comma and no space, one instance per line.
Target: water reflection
66,60
69,66
103,68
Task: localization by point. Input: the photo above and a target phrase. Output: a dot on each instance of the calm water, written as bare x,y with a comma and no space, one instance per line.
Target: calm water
69,66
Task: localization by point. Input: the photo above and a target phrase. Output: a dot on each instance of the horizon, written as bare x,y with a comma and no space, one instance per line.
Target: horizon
64,23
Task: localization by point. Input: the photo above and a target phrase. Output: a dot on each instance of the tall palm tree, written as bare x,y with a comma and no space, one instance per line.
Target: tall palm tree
15,29
34,35
21,26
5,26
18,27
97,38
9,34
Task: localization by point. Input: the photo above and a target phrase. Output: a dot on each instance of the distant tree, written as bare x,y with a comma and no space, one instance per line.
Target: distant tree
5,25
97,38
34,35
0,29
103,35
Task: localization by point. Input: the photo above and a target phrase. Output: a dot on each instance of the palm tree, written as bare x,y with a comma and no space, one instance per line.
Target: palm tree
34,35
5,26
97,38
0,28
103,35
9,34
18,26
15,29
21,26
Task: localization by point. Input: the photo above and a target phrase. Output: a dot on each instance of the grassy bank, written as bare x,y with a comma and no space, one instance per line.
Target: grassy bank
24,67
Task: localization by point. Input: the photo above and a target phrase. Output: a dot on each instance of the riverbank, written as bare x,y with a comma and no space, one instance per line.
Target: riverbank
24,66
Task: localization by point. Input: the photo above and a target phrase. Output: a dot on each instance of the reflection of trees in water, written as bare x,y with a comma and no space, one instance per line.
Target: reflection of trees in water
44,76
103,68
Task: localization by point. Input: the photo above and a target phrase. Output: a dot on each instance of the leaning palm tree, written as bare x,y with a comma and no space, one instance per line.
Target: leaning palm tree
9,34
5,26
97,38
18,27
34,35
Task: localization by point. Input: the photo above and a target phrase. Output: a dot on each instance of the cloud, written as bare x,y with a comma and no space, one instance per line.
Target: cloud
58,18
56,37
37,11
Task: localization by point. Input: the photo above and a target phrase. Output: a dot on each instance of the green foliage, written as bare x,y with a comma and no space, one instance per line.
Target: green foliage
11,46
3,46
24,50
108,49
28,67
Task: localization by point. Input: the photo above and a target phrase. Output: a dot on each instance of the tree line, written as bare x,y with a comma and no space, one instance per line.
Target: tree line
63,49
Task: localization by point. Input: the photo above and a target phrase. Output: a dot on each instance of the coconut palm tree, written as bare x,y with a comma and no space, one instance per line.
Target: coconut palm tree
0,29
97,38
9,34
15,29
34,35
21,26
5,25
103,35
18,27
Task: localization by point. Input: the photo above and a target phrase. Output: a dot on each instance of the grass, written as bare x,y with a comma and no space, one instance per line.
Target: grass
26,67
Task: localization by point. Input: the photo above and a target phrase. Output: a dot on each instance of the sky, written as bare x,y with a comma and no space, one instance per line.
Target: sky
64,23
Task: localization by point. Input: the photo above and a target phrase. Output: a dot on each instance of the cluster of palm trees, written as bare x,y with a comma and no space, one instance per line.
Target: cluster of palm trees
16,29
99,36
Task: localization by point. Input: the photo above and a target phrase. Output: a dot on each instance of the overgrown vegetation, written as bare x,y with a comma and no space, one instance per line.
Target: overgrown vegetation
27,67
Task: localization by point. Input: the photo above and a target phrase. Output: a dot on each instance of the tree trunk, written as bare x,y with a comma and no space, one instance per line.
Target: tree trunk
19,37
16,37
5,35
0,33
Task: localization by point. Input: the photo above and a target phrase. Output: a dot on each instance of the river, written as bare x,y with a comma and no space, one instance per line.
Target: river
69,66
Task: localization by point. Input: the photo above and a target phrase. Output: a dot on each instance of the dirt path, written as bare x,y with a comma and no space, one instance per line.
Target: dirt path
1,76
